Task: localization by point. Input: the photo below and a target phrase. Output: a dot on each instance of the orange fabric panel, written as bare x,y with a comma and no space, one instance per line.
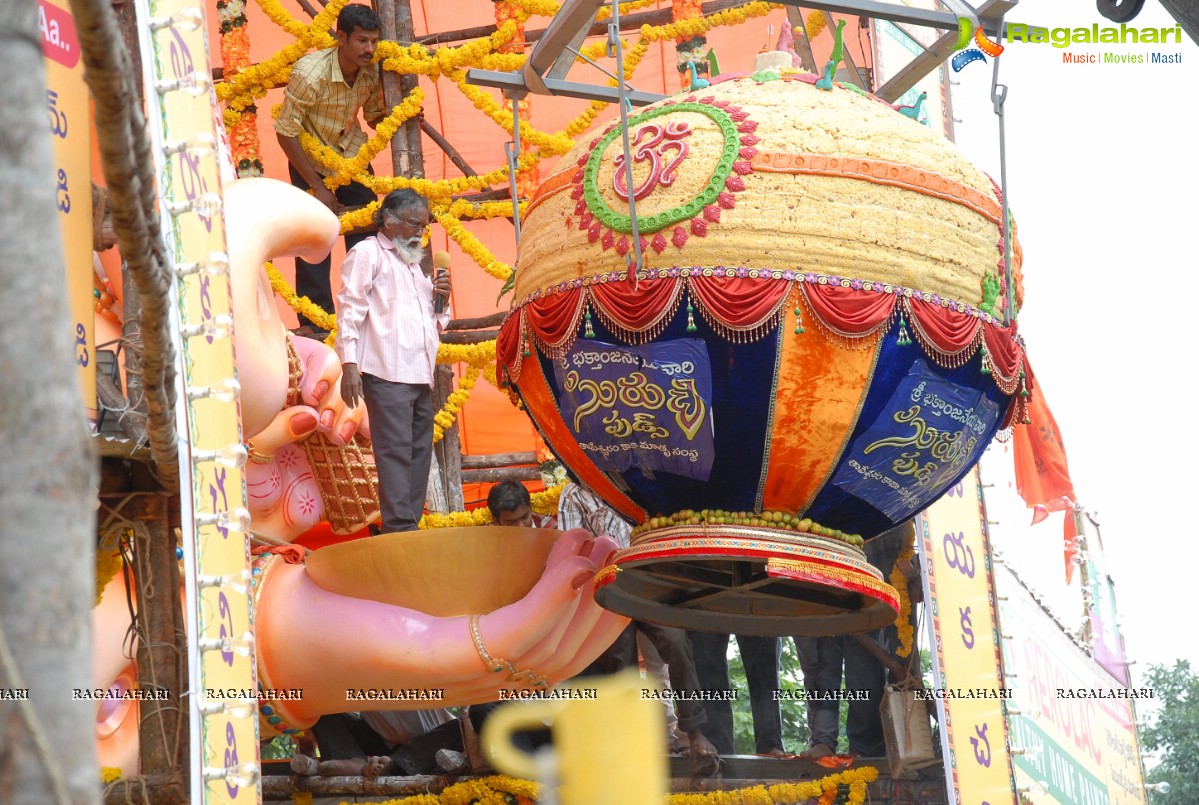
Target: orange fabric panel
820,389
537,394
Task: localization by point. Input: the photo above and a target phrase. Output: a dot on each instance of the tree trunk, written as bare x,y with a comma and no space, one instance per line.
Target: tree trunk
48,474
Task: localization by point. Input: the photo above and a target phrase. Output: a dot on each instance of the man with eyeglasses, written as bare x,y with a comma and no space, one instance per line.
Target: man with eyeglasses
387,339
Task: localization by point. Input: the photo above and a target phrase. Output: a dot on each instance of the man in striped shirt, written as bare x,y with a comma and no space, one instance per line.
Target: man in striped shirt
387,339
326,90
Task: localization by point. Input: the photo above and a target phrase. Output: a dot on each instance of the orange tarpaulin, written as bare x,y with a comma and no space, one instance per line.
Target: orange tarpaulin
490,424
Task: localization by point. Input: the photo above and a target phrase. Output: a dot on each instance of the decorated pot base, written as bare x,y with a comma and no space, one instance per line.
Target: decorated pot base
746,580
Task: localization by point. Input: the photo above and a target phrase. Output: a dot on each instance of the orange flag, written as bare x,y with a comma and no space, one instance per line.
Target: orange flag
1042,472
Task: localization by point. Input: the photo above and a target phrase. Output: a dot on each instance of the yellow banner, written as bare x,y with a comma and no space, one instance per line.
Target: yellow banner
1075,721
183,110
70,130
970,692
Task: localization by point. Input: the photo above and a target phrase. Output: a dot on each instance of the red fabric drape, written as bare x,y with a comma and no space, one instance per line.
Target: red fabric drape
739,301
635,308
847,310
1006,352
1042,473
950,331
554,318
507,346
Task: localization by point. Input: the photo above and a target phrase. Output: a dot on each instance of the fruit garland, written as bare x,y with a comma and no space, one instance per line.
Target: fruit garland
903,624
504,790
762,519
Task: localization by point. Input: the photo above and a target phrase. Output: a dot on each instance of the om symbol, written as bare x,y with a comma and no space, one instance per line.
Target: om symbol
967,624
959,557
982,746
658,141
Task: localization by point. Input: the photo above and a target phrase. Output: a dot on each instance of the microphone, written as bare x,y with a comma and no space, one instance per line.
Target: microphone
441,266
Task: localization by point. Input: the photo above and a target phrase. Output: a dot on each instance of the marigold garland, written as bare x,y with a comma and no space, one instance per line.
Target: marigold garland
542,502
701,25
903,624
444,419
540,8
348,168
301,304
473,247
814,24
108,564
502,790
625,8
109,774
480,355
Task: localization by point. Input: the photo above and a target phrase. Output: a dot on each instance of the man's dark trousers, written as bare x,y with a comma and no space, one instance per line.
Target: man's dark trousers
312,279
760,657
401,416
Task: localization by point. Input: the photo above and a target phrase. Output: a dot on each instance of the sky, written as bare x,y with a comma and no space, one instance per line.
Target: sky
1101,170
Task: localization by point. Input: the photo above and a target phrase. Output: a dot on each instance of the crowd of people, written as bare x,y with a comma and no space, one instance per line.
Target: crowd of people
389,318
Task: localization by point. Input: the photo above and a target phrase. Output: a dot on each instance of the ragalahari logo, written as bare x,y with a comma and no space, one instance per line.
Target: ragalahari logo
966,33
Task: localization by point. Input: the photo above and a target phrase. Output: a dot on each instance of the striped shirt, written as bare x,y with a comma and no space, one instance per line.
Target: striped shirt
319,101
579,508
385,318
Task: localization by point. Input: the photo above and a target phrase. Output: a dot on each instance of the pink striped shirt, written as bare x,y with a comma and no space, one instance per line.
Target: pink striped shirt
385,319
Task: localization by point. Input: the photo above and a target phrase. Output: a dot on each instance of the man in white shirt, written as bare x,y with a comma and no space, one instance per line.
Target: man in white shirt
387,339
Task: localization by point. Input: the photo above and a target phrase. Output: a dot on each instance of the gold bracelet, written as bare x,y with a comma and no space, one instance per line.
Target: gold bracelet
493,665
496,665
256,457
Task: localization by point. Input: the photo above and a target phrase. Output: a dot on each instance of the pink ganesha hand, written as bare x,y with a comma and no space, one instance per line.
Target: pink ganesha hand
284,496
325,644
267,219
322,642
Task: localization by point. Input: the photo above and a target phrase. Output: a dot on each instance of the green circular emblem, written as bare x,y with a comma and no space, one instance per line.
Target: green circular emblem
620,222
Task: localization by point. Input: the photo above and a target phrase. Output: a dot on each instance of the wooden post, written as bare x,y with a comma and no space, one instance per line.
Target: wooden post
156,573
